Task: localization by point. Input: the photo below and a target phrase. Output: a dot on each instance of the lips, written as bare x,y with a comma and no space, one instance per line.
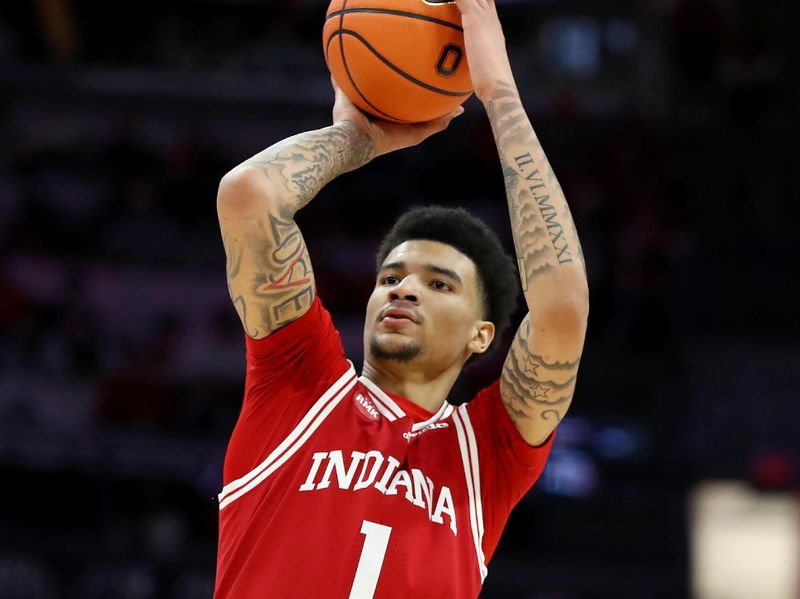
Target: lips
397,314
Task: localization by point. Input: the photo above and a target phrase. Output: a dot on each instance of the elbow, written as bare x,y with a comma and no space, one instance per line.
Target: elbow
577,303
580,301
563,296
243,190
569,312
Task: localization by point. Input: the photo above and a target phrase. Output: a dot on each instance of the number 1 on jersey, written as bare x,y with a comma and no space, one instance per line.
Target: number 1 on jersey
376,540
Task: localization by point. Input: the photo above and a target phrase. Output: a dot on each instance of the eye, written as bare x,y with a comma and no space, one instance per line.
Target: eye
389,280
440,285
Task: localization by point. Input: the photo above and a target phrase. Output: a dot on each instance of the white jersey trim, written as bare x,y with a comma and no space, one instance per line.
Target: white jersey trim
293,441
469,458
383,409
473,448
383,400
443,412
382,397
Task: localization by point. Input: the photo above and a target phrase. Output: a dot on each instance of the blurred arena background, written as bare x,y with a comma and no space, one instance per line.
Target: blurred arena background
673,127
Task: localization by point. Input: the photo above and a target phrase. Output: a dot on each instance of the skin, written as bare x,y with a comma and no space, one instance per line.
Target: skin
538,379
446,325
270,278
271,282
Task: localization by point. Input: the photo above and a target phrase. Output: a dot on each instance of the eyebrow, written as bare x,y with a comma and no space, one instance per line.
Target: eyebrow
429,267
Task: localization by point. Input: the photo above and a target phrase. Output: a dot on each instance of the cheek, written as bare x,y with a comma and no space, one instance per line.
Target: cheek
454,321
373,304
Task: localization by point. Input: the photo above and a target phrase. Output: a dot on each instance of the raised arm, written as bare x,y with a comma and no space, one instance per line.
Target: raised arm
539,373
270,279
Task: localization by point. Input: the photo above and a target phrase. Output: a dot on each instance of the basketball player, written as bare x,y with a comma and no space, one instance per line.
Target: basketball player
345,486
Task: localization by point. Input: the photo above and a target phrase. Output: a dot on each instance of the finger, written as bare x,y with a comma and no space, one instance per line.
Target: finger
337,91
444,119
465,6
429,128
340,98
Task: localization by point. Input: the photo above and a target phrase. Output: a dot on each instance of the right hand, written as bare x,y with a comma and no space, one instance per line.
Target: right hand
387,136
486,47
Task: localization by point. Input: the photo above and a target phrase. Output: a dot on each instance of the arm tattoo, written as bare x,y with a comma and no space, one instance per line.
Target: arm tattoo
277,286
533,388
298,167
270,280
545,237
535,391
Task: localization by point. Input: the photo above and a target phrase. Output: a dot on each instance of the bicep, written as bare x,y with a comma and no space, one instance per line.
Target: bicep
270,279
539,373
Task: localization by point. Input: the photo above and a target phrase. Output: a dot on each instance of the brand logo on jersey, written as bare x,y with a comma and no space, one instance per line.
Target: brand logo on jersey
410,435
366,407
383,473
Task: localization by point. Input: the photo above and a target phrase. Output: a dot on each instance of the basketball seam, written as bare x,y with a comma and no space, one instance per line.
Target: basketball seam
359,37
347,69
399,13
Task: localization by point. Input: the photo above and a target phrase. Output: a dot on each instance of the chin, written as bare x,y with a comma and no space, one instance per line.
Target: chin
394,350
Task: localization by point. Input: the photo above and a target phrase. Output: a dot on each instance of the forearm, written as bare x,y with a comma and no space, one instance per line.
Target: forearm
548,250
294,170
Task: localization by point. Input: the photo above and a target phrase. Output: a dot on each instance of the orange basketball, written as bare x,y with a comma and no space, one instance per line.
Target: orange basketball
399,60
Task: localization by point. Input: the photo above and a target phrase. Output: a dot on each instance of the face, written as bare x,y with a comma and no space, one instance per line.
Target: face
425,308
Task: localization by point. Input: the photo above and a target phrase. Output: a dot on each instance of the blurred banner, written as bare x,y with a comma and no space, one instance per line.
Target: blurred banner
745,543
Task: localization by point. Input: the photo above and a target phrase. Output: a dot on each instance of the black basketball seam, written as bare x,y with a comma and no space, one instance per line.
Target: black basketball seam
399,13
397,70
341,45
350,77
347,69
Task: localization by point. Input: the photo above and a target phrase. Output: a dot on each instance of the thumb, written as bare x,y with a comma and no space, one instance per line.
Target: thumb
337,91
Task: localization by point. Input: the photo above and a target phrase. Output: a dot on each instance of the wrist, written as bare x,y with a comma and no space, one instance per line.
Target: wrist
500,89
359,147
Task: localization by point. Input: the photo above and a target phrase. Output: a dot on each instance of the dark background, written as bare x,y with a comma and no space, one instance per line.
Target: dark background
672,125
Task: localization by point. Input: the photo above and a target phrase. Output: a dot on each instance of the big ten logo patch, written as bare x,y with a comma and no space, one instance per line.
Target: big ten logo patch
366,407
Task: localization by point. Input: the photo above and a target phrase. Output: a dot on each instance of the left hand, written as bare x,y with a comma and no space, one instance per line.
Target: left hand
387,136
485,45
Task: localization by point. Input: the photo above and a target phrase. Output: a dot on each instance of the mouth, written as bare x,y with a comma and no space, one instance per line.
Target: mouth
397,316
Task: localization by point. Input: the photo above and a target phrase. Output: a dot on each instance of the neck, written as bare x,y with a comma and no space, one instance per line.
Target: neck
427,390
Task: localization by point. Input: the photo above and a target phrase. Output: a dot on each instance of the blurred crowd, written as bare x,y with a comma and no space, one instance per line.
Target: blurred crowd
121,359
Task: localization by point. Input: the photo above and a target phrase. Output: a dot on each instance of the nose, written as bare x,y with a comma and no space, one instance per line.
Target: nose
407,289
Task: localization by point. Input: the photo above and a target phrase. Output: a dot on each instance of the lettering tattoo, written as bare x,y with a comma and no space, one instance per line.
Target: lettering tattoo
546,209
270,279
535,391
290,257
544,233
533,388
277,285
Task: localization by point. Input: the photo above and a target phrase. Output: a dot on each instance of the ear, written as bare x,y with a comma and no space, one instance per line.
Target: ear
482,337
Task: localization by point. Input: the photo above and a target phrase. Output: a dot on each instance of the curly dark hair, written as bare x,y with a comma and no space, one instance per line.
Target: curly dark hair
498,284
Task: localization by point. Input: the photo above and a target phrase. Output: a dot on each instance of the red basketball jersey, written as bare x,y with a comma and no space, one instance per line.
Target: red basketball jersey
334,488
